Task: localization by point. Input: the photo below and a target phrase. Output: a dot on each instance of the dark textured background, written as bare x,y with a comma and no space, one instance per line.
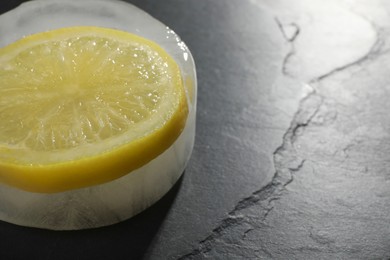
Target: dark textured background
292,148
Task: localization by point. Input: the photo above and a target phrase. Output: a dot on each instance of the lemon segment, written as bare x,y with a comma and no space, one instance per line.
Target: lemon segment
82,106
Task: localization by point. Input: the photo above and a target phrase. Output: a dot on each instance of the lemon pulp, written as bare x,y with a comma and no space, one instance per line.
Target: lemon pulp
82,106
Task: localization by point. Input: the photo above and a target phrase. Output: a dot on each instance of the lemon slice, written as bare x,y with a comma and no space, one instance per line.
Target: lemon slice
82,106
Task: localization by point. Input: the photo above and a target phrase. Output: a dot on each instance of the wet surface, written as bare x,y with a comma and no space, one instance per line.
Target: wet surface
292,150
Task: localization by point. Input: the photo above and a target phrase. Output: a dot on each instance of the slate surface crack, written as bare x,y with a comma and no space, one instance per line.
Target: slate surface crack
373,52
271,192
286,164
290,33
286,161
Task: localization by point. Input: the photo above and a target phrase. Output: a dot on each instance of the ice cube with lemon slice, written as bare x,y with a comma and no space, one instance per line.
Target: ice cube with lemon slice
97,112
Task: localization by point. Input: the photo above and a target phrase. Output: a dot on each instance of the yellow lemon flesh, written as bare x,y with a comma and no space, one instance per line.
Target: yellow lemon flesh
81,106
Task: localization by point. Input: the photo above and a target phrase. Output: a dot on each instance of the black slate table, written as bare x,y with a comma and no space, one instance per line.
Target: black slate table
292,150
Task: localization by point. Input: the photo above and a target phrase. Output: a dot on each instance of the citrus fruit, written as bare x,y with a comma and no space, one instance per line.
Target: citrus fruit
81,106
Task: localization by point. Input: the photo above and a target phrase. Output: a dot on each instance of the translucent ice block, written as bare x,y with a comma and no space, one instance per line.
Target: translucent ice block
122,198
